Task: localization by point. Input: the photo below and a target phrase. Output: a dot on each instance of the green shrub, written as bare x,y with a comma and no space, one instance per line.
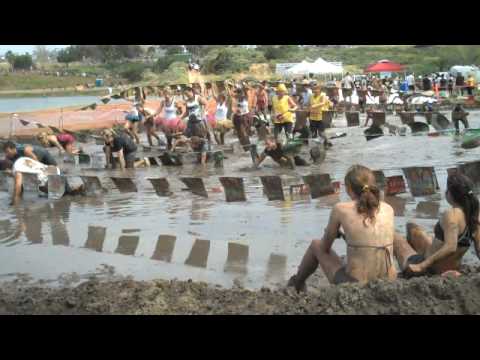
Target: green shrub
220,61
133,72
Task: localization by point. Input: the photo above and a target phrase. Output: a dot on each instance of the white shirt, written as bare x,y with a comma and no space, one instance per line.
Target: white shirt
410,80
222,111
30,166
306,95
347,82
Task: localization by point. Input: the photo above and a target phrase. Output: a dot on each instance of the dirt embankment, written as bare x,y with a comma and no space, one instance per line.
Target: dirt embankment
416,296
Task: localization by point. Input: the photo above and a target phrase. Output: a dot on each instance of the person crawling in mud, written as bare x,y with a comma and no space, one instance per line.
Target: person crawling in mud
63,142
458,114
122,150
199,145
458,228
368,230
15,151
280,154
29,166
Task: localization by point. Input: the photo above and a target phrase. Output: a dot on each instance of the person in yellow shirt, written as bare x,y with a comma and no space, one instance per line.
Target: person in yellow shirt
319,103
283,109
470,84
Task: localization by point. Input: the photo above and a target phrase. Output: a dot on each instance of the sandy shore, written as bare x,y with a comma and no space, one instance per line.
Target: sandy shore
435,295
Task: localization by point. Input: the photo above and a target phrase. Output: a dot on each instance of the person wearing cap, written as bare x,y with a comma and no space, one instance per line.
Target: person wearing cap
63,142
283,109
319,103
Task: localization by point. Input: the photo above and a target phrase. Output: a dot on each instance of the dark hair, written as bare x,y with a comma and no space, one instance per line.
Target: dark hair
361,181
9,145
460,188
5,164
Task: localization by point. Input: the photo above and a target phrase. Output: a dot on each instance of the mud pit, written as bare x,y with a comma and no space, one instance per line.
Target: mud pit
49,247
428,296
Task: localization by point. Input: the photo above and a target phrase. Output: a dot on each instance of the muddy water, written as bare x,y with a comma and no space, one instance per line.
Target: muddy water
185,236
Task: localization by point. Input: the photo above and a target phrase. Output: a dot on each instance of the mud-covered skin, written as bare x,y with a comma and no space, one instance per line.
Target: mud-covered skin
435,295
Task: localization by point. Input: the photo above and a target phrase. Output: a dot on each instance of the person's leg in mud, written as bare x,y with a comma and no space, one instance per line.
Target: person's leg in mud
277,129
418,239
313,129
330,263
135,132
403,251
288,130
128,129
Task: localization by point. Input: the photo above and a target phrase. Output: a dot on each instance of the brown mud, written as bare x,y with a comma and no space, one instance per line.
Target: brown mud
435,295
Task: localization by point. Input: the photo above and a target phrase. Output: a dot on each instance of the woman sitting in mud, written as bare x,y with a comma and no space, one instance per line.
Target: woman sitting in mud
63,142
368,230
458,228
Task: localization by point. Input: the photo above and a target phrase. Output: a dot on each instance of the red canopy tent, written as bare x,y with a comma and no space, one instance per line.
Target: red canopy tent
384,66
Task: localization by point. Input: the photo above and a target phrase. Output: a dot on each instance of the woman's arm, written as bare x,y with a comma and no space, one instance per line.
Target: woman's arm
29,153
451,231
476,242
332,230
53,139
121,160
292,104
160,108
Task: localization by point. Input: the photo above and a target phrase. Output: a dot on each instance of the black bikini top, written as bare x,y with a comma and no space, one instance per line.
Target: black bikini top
465,239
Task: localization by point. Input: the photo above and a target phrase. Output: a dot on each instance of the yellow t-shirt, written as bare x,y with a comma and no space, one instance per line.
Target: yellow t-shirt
280,107
316,114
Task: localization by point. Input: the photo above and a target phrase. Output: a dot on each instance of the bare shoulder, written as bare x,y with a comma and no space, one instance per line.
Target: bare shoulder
342,207
386,207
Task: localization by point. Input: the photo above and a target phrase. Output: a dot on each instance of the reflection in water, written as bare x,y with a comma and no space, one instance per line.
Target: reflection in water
397,203
96,238
276,268
164,249
127,245
31,220
199,254
237,258
428,209
200,209
58,214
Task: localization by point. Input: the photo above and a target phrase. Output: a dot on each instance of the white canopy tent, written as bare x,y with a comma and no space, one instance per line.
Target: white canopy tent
319,67
324,67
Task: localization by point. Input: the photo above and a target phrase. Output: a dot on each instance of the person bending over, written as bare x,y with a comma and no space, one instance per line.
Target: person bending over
15,151
63,142
121,148
276,151
30,166
458,114
458,228
368,230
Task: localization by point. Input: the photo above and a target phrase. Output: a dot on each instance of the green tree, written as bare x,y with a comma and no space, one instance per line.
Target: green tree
67,55
133,72
21,62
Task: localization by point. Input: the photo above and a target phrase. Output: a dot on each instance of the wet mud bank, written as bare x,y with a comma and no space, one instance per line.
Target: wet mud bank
426,295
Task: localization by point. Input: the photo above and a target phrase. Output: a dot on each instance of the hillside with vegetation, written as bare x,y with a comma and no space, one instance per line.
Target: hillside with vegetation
134,64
